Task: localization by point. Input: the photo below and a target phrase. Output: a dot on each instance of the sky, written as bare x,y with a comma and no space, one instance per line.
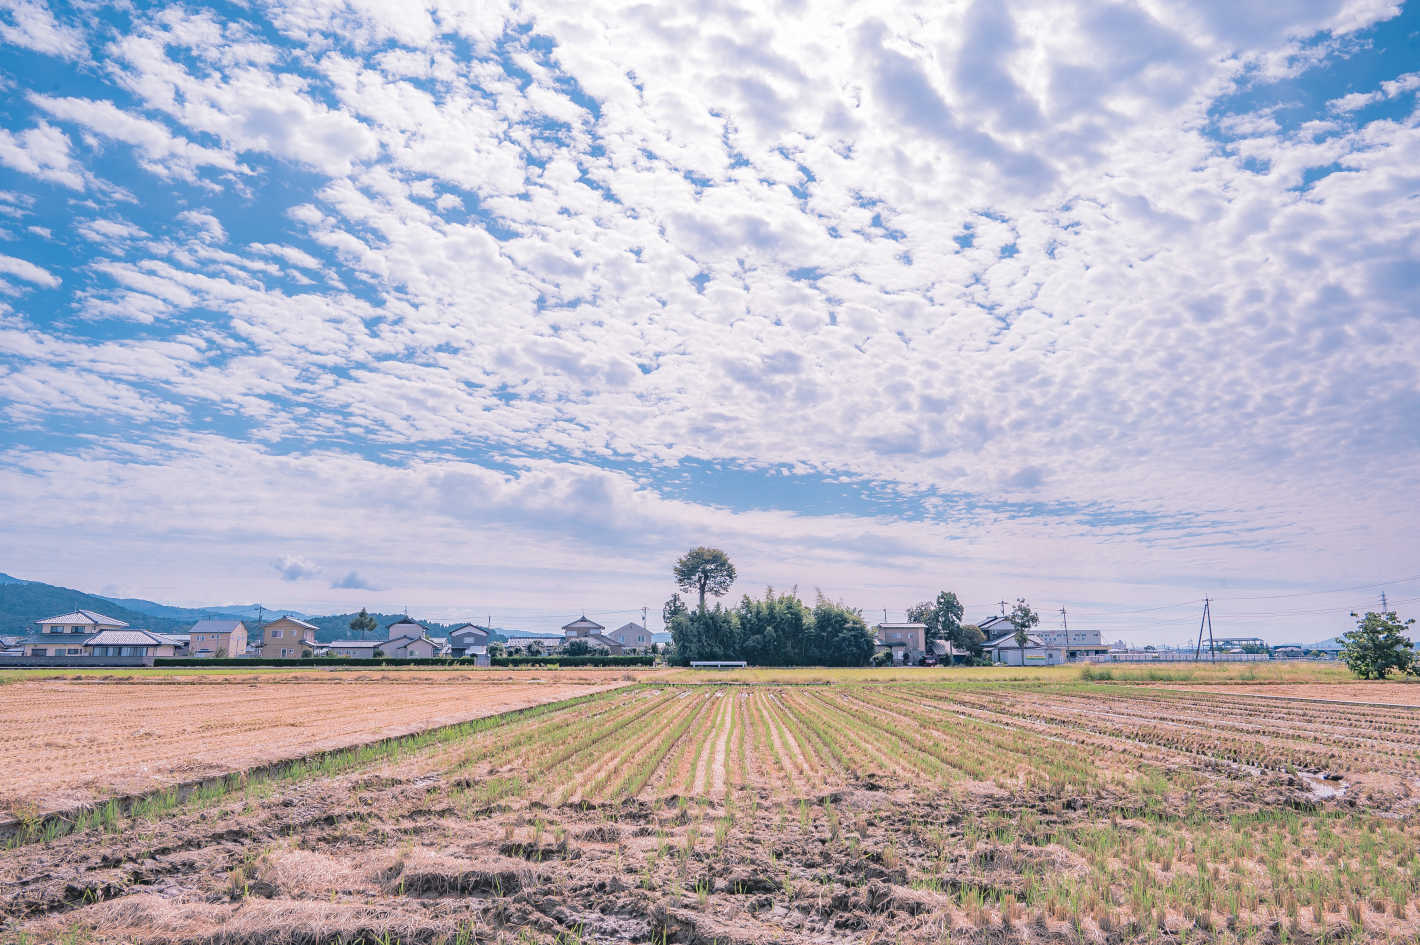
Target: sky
494,309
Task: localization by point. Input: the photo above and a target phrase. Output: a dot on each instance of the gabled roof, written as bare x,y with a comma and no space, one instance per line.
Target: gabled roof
287,618
1009,639
355,644
410,638
467,628
127,638
994,623
85,616
582,623
216,625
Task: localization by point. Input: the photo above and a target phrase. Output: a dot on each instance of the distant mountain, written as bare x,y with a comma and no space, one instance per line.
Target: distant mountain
245,612
24,602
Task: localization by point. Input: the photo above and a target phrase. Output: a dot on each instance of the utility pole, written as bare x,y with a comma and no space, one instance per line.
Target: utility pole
1206,619
1003,608
1384,608
1064,621
644,608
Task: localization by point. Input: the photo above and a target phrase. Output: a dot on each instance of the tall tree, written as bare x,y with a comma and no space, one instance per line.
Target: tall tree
363,623
942,618
1022,618
674,606
706,571
1378,645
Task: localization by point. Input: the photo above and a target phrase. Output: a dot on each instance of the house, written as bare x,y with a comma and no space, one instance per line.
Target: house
529,644
949,653
1077,644
66,634
408,639
180,642
632,637
590,633
906,641
466,636
217,637
287,638
479,655
129,643
1007,652
353,649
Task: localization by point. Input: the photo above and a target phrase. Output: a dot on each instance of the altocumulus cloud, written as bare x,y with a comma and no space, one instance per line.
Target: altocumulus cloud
1036,291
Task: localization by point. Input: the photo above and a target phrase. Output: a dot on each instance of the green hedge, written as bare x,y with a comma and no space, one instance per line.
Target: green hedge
405,661
573,660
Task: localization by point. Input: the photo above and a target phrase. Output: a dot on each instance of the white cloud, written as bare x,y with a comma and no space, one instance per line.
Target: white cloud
29,272
42,152
31,25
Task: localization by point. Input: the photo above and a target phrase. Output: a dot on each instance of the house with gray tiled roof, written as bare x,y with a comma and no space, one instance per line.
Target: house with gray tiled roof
129,643
66,634
217,637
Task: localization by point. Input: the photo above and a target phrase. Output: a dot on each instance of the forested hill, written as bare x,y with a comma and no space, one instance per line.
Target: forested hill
24,602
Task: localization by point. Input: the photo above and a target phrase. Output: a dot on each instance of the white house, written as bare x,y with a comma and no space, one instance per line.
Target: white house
590,633
354,649
632,636
1005,650
409,639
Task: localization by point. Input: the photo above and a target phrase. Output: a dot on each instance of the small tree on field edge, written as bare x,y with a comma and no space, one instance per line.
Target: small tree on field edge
1378,645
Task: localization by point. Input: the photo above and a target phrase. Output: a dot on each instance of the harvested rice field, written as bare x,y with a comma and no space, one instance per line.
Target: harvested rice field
72,742
745,814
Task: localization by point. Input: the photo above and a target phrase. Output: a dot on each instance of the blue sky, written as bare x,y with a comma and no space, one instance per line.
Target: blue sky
497,311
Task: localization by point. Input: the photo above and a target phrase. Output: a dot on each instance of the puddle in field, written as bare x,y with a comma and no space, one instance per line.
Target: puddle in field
1321,787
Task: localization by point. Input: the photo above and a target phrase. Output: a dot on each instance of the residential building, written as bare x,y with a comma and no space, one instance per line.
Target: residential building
466,636
527,644
66,634
589,632
1008,652
354,649
129,643
1077,644
217,637
906,641
287,638
632,637
408,639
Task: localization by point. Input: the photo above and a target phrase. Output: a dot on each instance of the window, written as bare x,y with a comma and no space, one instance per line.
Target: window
276,635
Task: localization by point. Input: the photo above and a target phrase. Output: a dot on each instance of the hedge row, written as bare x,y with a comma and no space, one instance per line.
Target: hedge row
405,661
573,660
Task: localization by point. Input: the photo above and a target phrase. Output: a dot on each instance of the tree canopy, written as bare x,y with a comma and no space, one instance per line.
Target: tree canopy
705,571
775,630
943,620
362,623
1378,645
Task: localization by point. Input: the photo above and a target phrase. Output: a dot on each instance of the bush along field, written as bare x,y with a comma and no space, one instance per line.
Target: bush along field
872,813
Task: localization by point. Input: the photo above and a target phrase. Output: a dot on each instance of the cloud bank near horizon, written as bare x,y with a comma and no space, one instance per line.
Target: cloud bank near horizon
1105,305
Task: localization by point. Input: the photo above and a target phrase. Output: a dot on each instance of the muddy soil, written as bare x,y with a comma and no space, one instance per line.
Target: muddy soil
402,856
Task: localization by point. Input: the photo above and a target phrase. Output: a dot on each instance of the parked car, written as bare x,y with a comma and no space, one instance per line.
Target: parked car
928,660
